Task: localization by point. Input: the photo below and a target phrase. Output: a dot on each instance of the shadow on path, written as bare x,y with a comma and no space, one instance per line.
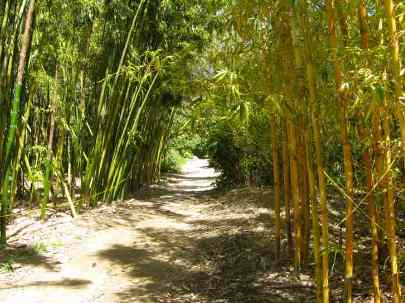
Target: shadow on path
181,242
212,253
68,283
27,256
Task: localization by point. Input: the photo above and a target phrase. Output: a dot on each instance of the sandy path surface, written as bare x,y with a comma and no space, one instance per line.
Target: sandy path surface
181,242
119,260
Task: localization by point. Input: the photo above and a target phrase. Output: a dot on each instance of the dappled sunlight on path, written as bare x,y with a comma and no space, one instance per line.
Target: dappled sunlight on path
180,242
196,176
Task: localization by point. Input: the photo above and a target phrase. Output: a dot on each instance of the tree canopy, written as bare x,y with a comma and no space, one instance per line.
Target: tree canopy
98,97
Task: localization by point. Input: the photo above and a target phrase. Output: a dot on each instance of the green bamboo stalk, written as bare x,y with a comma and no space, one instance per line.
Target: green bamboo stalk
49,157
14,119
21,144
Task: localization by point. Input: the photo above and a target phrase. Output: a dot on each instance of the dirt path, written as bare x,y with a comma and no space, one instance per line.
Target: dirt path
178,243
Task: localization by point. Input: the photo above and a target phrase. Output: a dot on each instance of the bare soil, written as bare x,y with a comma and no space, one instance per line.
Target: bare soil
182,241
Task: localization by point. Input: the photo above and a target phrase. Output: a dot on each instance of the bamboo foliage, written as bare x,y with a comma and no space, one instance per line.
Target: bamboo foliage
303,62
100,101
89,94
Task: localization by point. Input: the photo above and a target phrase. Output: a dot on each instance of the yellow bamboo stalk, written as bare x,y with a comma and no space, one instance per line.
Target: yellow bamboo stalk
292,139
321,259
347,152
290,76
364,134
286,189
315,222
396,68
277,188
390,212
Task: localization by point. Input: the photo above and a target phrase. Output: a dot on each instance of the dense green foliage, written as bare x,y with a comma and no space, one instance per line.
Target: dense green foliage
98,97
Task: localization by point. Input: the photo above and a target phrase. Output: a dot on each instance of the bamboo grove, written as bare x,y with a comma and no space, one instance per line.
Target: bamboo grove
327,75
90,92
